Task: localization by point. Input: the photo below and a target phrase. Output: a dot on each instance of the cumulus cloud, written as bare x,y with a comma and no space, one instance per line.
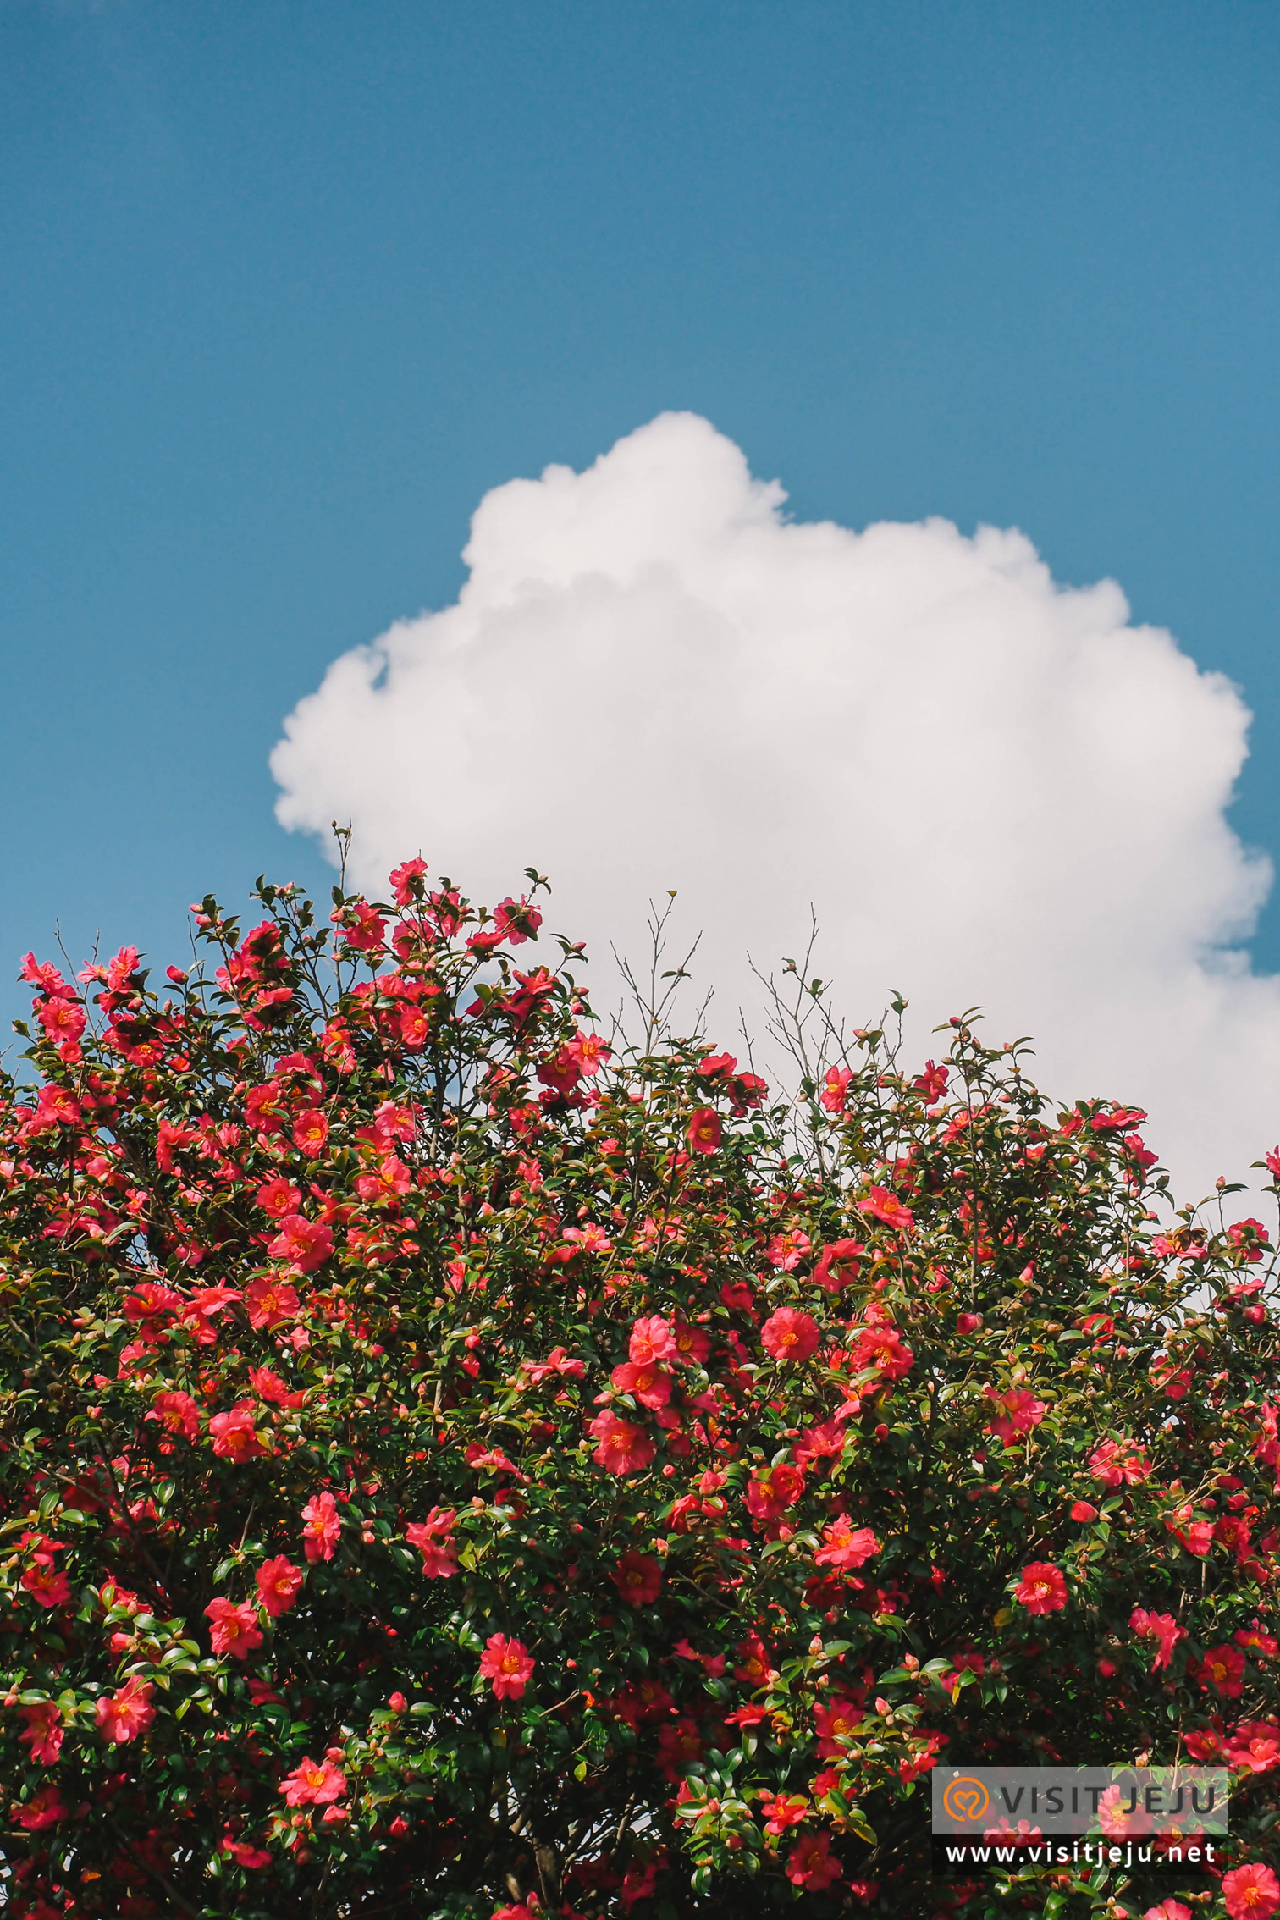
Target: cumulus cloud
991,788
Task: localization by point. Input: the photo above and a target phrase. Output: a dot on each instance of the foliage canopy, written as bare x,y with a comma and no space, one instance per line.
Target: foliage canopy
452,1460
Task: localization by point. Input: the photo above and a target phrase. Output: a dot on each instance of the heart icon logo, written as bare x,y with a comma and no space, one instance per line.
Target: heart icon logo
965,1798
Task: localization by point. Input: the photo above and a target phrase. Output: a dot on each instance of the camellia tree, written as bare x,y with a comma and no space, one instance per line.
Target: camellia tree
454,1461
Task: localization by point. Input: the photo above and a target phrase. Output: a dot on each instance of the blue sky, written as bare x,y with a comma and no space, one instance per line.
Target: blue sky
287,288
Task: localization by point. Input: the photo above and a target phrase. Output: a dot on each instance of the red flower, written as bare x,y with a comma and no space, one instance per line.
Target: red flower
310,1131
279,1583
844,1545
651,1340
269,1302
1254,1744
177,1413
835,1724
1081,1510
754,1664
243,1854
704,1130
278,1197
313,1783
45,1584
1223,1668
1020,1411
405,881
838,1264
835,1089
783,1810
43,1732
235,1628
1161,1627
123,1716
650,1385
810,1863
1042,1588
320,1534
363,927
638,1578
304,1244
882,1347
771,1490
789,1335
43,1809
1120,1463
1251,1892
881,1205
507,1665
234,1435
622,1447
433,1538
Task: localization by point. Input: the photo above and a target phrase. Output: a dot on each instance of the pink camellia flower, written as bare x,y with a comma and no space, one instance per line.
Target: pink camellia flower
313,1783
405,881
202,1310
433,1538
882,1205
844,1545
1161,1627
771,1490
838,1264
303,1244
638,1578
269,1302
47,1587
123,1716
507,1665
320,1533
692,1346
1120,1463
811,1865
43,1732
790,1336
362,926
1251,1892
650,1385
43,1809
1223,1668
1041,1588
310,1131
786,1250
883,1347
1082,1511
279,1584
176,1413
279,1197
783,1810
968,1322
704,1130
242,1853
1019,1413
1168,1910
621,1446
651,1340
835,1088
1254,1745
235,1437
234,1629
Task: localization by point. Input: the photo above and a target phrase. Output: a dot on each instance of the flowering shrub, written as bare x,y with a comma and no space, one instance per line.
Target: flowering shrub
453,1461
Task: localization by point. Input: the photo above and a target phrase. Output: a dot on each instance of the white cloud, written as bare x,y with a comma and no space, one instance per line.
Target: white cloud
992,788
